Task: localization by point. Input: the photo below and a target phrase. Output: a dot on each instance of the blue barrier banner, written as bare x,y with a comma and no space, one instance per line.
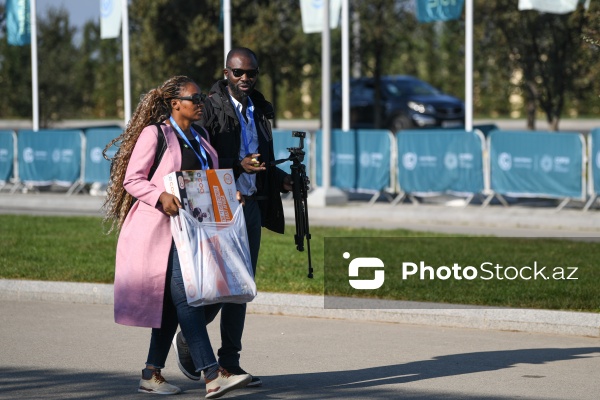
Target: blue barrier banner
50,156
97,169
594,161
7,155
537,164
436,161
360,159
282,140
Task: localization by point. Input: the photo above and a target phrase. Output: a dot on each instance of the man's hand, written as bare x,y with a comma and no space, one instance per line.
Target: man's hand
251,165
170,203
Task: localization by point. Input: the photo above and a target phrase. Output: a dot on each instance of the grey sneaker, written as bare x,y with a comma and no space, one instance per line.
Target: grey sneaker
184,359
224,383
153,382
237,370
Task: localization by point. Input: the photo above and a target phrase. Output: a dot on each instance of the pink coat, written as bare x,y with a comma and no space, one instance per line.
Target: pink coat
145,238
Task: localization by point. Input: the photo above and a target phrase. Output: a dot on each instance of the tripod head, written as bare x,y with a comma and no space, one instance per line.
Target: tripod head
297,153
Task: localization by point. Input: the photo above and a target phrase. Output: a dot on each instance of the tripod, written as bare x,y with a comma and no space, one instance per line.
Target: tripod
300,192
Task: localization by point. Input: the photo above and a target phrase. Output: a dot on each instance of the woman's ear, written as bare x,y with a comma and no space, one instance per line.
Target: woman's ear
174,103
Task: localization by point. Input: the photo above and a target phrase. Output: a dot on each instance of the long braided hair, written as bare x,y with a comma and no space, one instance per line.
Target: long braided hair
154,107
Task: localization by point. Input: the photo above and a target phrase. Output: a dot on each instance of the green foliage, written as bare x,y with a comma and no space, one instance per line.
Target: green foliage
82,78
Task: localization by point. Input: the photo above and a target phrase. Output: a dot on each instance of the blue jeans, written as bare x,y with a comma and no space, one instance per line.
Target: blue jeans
177,311
233,316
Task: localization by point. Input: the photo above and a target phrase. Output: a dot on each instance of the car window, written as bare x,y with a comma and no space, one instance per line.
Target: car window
403,88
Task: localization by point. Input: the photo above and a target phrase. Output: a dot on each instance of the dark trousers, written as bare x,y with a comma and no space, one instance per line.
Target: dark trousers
233,315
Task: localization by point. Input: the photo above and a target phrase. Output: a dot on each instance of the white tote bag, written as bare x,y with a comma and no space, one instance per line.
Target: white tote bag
215,259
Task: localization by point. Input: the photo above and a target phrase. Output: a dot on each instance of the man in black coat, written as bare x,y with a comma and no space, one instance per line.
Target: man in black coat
236,117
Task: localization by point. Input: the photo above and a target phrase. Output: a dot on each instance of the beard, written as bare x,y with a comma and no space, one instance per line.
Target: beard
237,93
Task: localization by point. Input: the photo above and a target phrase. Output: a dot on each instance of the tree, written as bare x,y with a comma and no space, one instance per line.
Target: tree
381,40
15,78
174,37
100,74
57,56
545,47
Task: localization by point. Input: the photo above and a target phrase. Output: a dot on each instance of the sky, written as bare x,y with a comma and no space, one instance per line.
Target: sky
80,11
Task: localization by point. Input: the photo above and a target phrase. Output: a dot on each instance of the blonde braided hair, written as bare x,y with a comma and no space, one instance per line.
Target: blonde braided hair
154,107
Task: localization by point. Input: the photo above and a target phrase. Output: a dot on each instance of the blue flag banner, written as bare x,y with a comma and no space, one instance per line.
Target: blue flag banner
360,159
97,169
439,10
7,155
18,24
437,161
537,164
594,162
50,156
282,140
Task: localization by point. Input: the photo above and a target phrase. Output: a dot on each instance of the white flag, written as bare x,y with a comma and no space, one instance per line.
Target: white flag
312,14
549,6
110,18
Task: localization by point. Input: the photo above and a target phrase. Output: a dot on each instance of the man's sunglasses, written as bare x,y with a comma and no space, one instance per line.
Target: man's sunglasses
196,98
238,73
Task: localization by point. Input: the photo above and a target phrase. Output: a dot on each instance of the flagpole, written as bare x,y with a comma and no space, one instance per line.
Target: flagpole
126,64
226,29
345,65
469,65
34,66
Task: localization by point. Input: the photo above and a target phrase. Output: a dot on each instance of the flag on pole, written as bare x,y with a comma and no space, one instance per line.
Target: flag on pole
110,19
312,14
549,6
18,24
439,10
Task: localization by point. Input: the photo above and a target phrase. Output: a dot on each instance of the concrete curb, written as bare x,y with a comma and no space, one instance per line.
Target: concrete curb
460,316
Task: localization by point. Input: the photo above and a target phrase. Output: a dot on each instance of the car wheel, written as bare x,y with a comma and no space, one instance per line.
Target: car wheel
400,122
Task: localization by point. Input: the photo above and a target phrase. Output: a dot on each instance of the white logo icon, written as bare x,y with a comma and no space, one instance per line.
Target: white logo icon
96,155
505,161
409,160
28,155
451,161
365,262
546,163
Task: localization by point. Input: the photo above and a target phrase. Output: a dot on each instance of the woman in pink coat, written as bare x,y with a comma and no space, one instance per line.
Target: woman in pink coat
148,286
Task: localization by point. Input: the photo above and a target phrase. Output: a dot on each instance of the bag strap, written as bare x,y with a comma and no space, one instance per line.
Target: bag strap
161,147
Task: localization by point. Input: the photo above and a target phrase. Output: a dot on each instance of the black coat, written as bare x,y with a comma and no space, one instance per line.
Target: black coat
221,121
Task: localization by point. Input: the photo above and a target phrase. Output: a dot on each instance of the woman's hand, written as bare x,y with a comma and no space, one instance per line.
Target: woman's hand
240,198
170,204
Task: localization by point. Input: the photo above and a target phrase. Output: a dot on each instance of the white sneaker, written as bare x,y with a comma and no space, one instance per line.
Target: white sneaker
156,384
225,383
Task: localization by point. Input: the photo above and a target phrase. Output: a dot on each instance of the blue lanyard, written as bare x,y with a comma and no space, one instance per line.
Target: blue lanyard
243,124
203,159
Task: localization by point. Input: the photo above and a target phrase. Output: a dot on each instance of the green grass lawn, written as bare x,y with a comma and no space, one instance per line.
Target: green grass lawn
76,249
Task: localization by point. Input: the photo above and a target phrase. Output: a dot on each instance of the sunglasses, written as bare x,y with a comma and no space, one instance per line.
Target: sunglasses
196,98
238,73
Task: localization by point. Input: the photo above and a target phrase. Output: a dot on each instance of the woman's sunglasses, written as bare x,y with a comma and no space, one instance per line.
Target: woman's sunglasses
238,73
196,98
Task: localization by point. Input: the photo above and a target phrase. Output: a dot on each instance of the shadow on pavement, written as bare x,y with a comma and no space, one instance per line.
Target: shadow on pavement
368,383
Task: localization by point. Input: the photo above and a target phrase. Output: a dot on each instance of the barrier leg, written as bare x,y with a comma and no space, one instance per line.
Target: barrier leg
590,202
563,204
401,196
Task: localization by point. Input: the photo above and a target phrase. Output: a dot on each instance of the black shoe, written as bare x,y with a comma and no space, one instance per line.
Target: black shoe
255,382
184,359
